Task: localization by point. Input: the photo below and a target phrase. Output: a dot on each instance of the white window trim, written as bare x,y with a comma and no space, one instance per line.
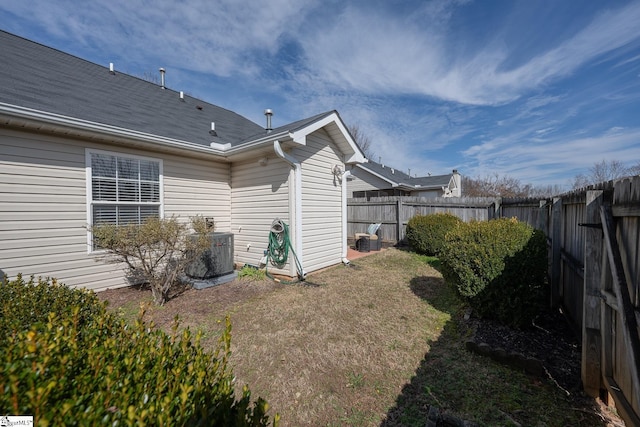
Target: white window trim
89,188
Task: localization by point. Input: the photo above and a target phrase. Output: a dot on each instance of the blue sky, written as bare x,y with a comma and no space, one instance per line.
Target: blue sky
537,90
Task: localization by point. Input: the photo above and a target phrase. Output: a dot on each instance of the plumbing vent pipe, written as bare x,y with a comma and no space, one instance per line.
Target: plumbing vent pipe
181,96
111,68
268,112
162,71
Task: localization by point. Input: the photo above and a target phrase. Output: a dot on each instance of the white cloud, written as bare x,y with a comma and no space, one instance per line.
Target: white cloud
219,37
370,51
543,160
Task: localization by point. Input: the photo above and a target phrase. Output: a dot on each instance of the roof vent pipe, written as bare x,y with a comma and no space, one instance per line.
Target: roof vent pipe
268,112
181,96
111,68
213,132
162,71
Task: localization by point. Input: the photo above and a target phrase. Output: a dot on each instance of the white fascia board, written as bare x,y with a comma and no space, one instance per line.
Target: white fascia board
403,186
300,136
89,127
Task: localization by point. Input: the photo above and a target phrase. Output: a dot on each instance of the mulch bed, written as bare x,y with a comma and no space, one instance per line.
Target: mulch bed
551,340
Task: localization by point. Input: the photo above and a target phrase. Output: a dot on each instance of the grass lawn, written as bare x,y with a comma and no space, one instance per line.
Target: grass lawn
373,344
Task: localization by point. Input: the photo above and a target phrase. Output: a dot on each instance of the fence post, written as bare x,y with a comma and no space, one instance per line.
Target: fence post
591,306
556,233
399,219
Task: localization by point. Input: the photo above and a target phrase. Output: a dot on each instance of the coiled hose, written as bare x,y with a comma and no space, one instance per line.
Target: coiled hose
278,250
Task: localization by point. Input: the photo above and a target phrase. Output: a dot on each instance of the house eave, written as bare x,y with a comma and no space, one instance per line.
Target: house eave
338,131
42,121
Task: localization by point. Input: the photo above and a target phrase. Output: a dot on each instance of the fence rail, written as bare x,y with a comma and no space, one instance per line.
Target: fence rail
594,268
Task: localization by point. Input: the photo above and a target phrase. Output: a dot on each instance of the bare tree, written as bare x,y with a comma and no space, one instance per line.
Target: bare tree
505,186
605,171
363,141
493,186
635,169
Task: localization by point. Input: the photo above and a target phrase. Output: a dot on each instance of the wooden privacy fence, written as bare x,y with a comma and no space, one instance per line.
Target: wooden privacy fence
593,235
594,268
394,212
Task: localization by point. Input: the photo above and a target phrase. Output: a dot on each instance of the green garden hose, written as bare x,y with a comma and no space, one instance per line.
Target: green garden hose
278,250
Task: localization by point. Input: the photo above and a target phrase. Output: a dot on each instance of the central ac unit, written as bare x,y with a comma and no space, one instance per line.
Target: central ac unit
216,261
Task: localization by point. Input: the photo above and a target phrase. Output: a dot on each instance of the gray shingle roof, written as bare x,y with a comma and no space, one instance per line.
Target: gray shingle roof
398,177
45,79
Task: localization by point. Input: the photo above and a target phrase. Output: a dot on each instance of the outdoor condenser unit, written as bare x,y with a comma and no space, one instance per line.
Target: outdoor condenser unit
216,261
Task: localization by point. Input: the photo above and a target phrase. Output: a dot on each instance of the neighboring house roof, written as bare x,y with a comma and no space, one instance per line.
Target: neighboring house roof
399,179
49,85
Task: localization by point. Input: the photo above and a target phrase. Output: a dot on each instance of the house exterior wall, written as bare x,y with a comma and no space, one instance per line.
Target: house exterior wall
43,205
427,194
321,202
259,194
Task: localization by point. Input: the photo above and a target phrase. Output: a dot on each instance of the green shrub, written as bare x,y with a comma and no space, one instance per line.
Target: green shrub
23,303
500,267
426,233
155,252
86,366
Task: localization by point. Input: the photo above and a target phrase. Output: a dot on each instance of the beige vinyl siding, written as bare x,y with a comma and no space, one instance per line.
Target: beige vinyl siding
43,205
259,194
428,194
362,181
321,202
197,187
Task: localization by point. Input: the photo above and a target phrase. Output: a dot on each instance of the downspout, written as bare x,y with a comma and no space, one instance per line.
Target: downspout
297,170
345,246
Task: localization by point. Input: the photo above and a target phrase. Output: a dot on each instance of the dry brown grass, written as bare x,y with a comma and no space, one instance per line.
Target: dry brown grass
374,344
339,350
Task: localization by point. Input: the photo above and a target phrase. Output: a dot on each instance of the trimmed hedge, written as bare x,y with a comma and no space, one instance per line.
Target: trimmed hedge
68,361
500,267
426,233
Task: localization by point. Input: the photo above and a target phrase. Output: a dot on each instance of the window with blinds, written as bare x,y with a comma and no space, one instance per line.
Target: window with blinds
124,189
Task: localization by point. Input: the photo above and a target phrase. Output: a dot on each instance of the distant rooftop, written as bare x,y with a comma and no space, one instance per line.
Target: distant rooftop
399,177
